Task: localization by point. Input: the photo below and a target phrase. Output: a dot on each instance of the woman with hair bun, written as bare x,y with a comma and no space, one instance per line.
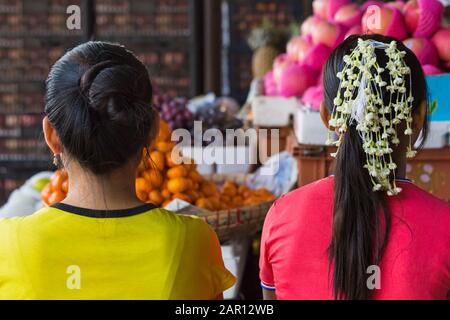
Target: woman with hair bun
101,242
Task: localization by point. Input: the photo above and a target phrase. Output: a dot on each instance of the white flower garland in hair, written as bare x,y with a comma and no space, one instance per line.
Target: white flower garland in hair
360,101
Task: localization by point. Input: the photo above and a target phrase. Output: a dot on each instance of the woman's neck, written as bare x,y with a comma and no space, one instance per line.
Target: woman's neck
107,192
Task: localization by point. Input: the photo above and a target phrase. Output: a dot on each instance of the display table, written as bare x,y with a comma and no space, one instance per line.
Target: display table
430,169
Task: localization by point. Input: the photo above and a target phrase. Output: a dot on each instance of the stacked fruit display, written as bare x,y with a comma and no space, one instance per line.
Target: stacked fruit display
164,176
418,23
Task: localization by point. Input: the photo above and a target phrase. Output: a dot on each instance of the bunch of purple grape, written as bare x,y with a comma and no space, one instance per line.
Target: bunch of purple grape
213,117
174,111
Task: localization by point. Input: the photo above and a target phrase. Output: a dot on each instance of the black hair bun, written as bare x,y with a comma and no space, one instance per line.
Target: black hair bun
98,98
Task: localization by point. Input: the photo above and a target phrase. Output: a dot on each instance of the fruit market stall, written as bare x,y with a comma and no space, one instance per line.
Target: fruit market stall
293,89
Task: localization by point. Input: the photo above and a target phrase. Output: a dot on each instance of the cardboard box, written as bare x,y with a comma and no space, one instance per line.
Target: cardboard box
273,111
309,128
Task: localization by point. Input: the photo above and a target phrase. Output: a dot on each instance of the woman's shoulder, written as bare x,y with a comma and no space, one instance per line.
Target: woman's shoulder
191,223
317,192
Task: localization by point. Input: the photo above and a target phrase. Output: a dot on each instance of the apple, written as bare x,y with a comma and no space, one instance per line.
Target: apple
328,33
316,56
423,17
326,9
320,8
399,5
295,79
424,50
353,30
297,48
308,25
348,15
279,64
441,41
385,20
313,97
411,12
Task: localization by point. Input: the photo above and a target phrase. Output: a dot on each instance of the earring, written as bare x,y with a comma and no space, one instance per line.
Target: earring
56,160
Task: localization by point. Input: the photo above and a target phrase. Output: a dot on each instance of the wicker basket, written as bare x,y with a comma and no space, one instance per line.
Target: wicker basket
237,222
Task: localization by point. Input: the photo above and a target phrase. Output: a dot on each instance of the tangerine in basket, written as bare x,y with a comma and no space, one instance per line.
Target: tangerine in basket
164,131
203,203
65,186
57,180
157,160
55,197
178,185
177,172
164,146
155,197
229,188
166,194
208,188
155,177
195,176
143,185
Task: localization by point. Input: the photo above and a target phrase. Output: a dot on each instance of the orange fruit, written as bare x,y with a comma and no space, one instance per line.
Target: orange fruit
55,197
177,185
56,181
155,178
142,185
164,146
177,172
182,196
46,193
243,189
143,196
215,202
166,194
157,160
193,195
229,188
208,188
164,131
155,197
195,176
65,186
203,203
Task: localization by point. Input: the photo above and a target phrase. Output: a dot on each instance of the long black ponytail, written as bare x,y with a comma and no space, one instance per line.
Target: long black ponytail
361,217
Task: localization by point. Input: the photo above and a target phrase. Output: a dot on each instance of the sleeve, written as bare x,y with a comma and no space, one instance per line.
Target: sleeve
221,278
265,267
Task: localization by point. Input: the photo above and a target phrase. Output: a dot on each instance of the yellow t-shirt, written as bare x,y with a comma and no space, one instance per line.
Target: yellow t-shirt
65,252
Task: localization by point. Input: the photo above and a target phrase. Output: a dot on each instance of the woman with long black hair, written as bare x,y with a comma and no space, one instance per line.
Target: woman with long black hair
101,242
366,232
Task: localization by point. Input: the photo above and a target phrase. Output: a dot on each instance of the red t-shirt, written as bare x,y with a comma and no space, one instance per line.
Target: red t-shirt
297,233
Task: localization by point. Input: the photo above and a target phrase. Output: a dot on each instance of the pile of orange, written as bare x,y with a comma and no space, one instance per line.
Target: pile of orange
162,178
56,190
